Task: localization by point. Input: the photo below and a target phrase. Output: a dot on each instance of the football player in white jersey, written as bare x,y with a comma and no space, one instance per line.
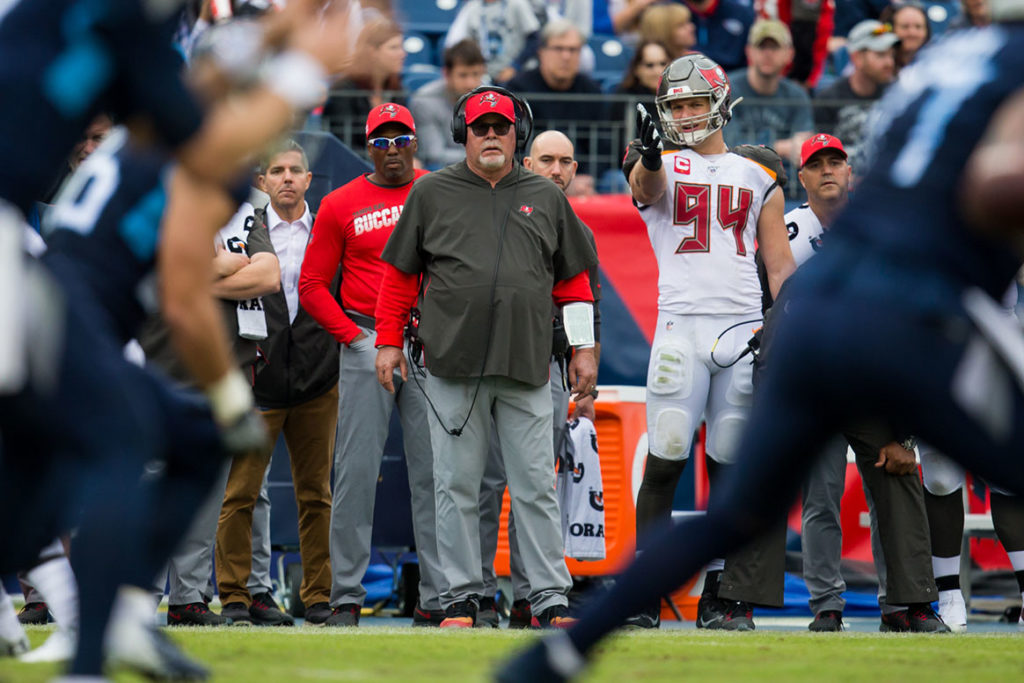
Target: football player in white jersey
887,466
703,207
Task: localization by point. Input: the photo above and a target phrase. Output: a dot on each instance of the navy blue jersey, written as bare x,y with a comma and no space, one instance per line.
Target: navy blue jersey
105,227
928,123
62,61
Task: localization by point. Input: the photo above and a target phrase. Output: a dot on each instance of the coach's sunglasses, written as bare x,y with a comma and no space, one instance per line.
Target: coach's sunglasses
480,128
399,141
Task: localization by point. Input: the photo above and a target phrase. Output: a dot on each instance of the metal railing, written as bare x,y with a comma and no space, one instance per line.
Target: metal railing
600,126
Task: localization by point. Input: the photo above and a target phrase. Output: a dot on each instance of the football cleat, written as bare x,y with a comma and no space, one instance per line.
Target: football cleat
147,651
59,647
953,610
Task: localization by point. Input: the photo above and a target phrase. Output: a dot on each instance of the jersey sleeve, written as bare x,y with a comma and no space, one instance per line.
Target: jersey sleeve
576,252
323,255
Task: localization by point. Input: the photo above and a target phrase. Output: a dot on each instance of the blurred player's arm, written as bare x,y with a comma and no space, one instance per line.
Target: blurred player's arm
293,80
185,271
992,192
773,242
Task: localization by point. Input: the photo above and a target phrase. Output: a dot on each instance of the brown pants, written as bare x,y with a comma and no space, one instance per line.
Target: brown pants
309,430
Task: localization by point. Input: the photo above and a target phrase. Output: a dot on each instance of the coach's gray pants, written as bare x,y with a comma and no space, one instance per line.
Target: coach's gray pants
899,528
190,567
364,415
493,488
521,416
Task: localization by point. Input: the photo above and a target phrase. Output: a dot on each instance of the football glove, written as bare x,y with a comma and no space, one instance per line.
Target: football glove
651,146
246,436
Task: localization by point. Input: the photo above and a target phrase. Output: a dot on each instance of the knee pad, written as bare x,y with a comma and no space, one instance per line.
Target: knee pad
724,436
672,434
668,373
941,475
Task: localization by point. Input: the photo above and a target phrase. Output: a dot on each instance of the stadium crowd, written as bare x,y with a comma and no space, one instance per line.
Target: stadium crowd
376,301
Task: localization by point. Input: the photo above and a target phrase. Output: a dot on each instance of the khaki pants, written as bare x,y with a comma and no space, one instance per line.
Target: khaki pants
309,434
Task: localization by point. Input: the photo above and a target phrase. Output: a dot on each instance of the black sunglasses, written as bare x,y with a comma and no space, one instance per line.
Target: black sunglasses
480,129
399,141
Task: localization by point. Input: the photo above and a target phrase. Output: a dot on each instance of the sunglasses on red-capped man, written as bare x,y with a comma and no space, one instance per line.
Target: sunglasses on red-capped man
399,141
480,128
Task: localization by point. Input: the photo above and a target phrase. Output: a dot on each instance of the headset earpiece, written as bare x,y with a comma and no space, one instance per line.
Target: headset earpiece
523,123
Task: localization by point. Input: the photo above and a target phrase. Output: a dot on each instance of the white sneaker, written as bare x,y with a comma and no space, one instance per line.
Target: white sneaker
953,611
59,647
14,648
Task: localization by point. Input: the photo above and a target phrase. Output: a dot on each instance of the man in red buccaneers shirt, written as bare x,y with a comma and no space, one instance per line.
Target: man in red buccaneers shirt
351,228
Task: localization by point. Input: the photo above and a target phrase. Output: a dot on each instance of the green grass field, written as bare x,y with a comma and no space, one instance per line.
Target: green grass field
258,655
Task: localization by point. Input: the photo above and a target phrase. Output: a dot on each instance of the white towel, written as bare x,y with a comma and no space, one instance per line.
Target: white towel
581,493
252,322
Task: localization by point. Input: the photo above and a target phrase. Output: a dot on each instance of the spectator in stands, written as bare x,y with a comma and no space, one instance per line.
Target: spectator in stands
464,69
910,24
558,74
506,31
722,28
641,79
579,12
297,393
672,25
777,112
625,16
975,13
810,24
841,109
376,79
849,13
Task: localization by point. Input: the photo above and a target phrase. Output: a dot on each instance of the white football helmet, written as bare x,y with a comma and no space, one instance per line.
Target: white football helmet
693,75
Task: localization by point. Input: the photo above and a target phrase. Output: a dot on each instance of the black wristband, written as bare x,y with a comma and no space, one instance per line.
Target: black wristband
594,393
651,163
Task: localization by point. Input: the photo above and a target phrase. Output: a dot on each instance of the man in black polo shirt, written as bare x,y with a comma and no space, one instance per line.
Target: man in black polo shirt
493,244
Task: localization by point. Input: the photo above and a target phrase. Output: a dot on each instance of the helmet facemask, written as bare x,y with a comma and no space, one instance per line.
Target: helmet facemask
692,76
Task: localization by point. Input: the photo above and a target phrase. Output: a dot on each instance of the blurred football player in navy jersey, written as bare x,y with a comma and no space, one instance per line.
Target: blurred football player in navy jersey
897,319
79,412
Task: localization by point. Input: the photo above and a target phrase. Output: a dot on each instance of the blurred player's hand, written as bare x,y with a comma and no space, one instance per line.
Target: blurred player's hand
323,33
651,146
246,436
896,459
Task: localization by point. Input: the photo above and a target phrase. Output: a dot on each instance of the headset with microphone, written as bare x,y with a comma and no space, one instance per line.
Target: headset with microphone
523,114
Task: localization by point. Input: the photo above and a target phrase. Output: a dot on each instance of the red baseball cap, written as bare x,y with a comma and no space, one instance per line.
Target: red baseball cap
490,103
389,112
816,143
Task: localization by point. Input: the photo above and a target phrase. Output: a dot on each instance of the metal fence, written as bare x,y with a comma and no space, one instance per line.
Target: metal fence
600,126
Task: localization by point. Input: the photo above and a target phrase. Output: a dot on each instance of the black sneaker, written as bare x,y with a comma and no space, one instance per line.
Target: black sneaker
649,618
487,614
711,612
237,614
923,619
193,614
34,613
739,616
556,616
460,615
895,622
829,620
318,613
520,616
427,617
265,612
344,615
